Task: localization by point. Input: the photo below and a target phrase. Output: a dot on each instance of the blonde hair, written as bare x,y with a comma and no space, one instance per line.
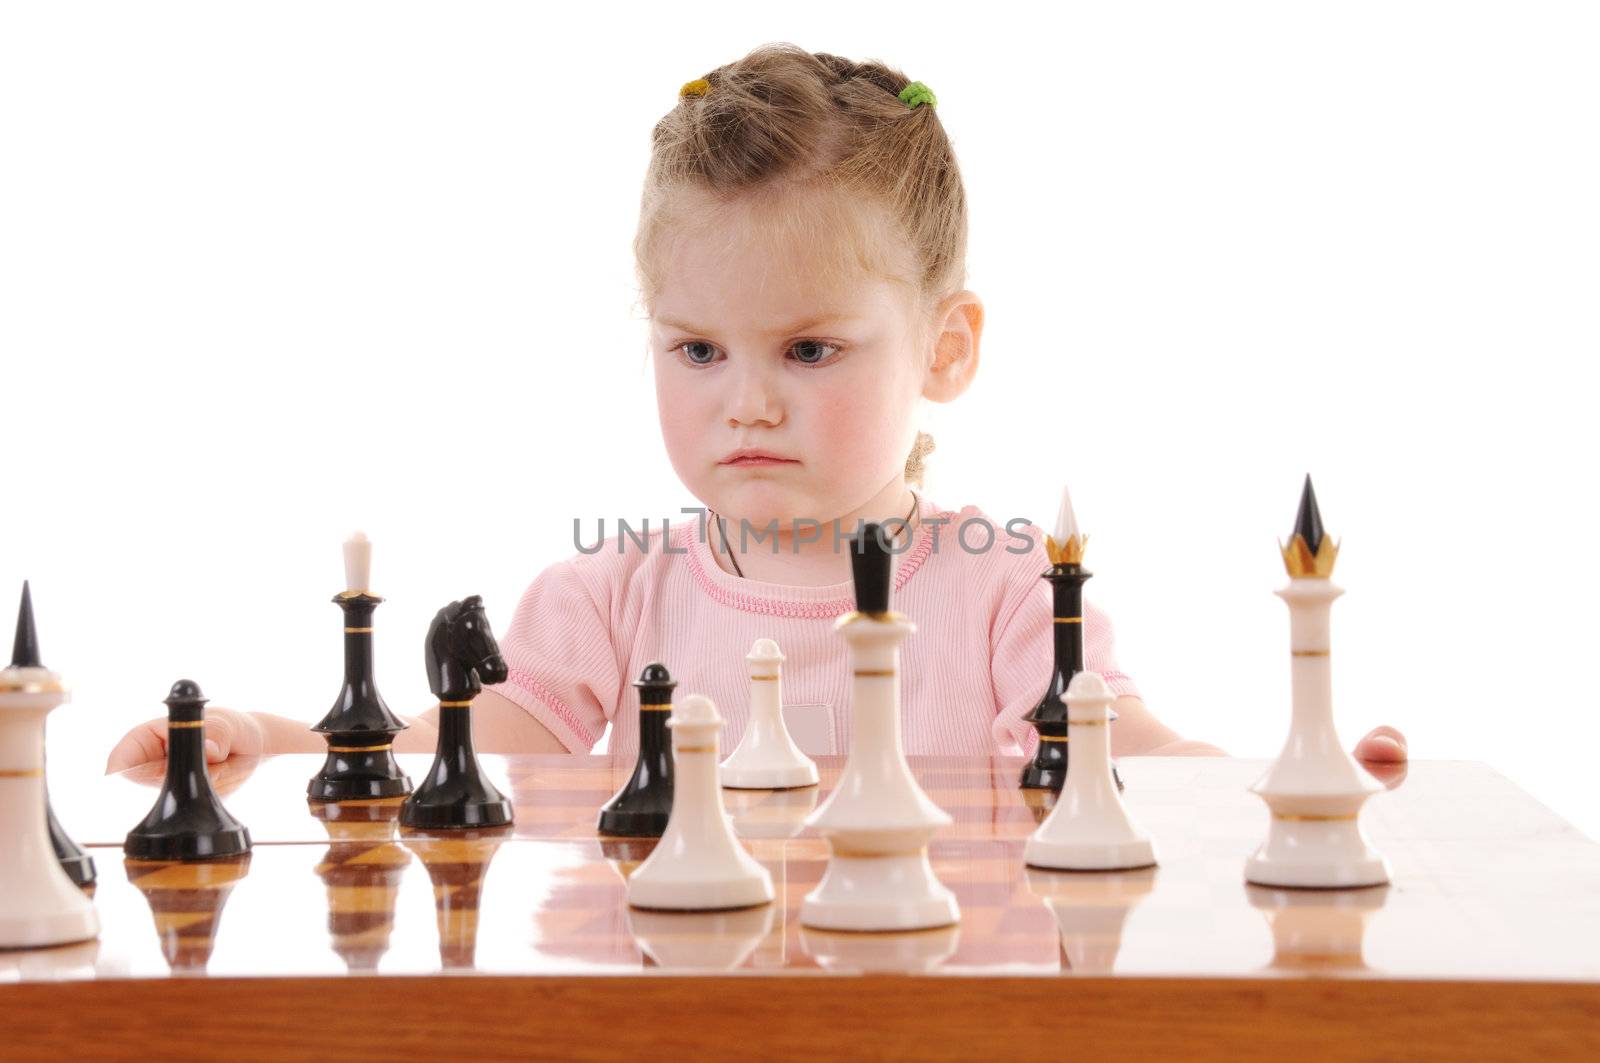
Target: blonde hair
783,117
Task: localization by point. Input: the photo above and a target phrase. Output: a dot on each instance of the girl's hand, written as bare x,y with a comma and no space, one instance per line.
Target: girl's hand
227,732
1384,745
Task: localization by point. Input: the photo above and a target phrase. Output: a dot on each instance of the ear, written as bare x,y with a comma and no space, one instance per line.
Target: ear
958,328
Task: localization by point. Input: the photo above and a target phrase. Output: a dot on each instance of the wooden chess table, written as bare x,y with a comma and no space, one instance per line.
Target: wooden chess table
342,936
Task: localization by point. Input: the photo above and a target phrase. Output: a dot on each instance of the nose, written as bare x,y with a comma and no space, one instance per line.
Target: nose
753,398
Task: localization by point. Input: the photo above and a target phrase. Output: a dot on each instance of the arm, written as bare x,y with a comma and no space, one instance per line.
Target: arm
1137,732
499,725
279,734
559,638
228,731
1025,645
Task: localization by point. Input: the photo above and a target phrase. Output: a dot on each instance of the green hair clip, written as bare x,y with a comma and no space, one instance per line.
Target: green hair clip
916,93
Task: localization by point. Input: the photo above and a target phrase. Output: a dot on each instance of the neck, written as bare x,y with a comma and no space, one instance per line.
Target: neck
811,558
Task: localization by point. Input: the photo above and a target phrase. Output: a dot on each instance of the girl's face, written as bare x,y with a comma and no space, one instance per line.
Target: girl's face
753,351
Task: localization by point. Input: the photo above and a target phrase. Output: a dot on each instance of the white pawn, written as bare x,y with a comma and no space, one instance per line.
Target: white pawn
1089,829
42,905
698,865
714,941
767,758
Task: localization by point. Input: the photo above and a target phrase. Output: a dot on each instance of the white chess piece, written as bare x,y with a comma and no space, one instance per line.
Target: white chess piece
42,906
881,953
1089,829
877,820
698,865
1067,523
1317,929
1090,912
767,758
714,941
769,813
1315,789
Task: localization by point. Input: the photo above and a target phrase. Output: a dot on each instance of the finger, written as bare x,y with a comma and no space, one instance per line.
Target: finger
1381,747
141,745
219,738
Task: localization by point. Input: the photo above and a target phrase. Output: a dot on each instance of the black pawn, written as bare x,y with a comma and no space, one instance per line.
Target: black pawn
643,806
188,821
78,864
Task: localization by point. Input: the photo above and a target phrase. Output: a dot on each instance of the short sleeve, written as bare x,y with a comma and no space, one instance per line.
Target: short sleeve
561,660
1024,652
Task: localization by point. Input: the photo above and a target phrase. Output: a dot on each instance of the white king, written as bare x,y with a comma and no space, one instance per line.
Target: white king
767,758
877,820
42,905
1314,789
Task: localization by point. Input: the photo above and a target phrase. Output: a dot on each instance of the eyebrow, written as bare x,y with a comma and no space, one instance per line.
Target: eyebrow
803,326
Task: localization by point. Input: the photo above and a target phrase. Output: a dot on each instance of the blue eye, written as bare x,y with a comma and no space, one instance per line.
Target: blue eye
698,352
810,352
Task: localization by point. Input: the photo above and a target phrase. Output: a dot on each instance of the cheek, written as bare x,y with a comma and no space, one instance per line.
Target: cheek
681,423
846,412
859,418
681,399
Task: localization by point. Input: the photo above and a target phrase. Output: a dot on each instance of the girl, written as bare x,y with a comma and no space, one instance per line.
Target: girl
801,252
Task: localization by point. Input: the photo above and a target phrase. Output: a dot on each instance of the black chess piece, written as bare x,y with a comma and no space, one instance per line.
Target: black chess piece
457,873
644,804
187,821
78,864
1308,519
461,655
1048,768
188,914
360,728
362,861
872,569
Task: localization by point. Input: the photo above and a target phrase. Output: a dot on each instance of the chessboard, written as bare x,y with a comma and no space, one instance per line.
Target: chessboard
342,933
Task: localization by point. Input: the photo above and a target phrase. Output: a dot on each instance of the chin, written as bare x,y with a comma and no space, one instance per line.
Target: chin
755,498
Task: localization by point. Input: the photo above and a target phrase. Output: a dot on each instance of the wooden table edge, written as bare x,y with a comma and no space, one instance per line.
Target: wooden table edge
810,1015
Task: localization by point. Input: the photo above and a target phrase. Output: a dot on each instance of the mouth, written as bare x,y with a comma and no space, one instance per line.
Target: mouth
752,458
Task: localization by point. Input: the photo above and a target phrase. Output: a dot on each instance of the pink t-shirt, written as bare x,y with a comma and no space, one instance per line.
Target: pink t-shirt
979,660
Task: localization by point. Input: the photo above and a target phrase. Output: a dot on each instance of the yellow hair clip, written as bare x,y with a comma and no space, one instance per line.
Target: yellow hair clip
697,87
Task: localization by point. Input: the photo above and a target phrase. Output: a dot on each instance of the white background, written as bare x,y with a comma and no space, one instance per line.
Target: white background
272,272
